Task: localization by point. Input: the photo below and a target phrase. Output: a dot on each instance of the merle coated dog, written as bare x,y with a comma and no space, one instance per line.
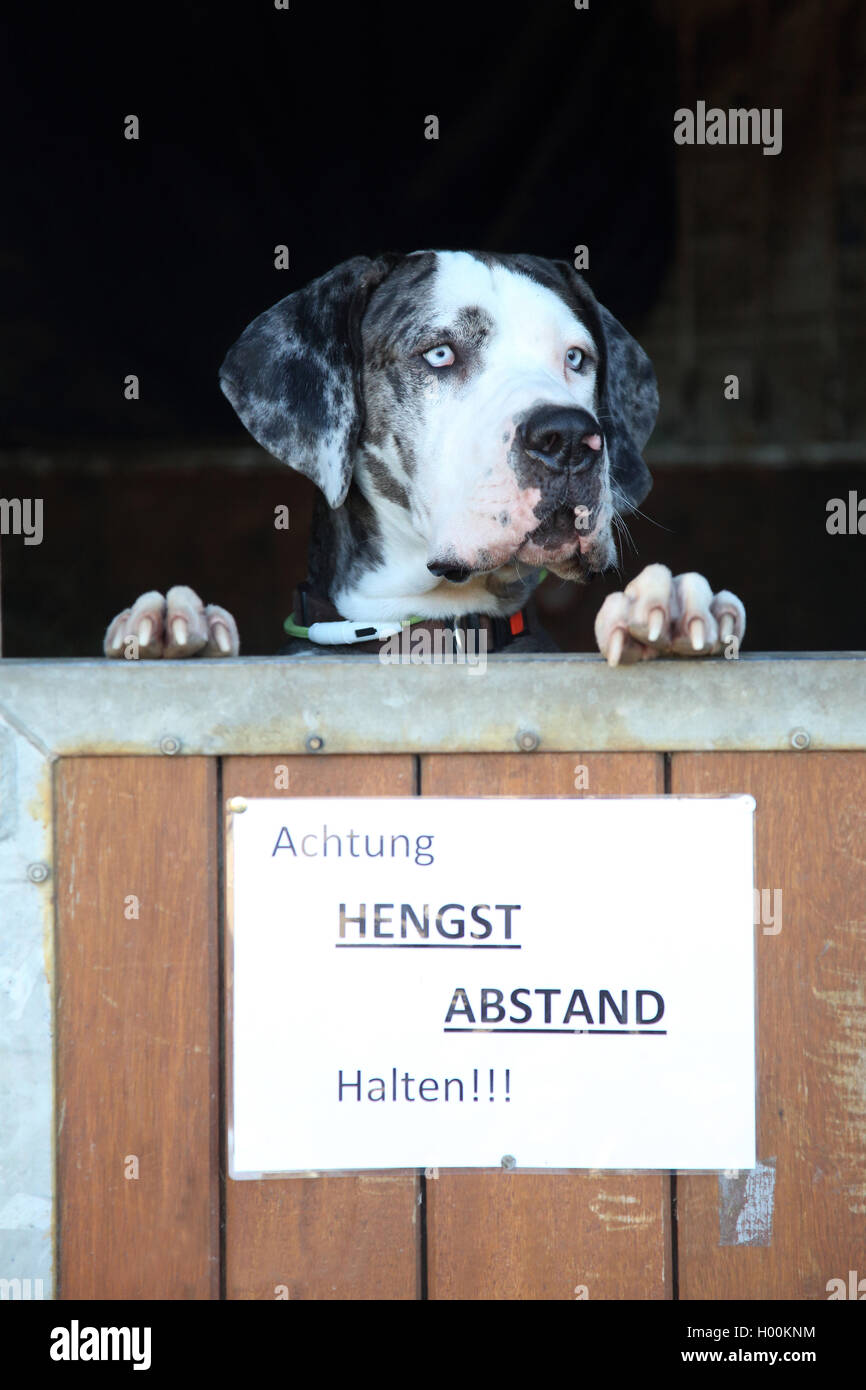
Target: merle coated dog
470,420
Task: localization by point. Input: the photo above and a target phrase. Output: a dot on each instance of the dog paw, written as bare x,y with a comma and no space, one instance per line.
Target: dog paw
177,625
659,615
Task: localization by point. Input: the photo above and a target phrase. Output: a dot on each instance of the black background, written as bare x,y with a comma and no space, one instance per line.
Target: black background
306,127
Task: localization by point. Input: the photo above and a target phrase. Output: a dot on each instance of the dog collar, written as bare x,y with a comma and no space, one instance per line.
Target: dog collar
329,629
340,632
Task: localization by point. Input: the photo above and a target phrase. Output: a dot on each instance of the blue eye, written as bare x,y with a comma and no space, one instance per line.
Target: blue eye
574,357
440,356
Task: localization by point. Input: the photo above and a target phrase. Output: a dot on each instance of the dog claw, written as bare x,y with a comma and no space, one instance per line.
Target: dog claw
655,625
658,615
174,626
617,642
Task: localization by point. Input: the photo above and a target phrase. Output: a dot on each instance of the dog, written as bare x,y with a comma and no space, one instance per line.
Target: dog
471,421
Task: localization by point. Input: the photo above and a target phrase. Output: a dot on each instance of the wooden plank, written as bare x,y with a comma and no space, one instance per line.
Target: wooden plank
354,1237
137,1041
527,1236
810,844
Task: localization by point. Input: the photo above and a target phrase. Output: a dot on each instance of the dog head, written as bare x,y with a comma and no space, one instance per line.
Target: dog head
487,402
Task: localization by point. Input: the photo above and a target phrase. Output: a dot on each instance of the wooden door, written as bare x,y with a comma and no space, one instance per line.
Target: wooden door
144,1206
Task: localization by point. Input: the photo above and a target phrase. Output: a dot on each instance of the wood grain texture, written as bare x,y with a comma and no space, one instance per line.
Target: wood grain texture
354,1237
811,844
137,1041
525,1236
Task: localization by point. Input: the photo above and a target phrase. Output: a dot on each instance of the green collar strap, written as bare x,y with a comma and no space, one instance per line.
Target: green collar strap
342,632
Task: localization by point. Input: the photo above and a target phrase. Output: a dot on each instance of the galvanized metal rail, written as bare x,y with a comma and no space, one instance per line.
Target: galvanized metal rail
359,705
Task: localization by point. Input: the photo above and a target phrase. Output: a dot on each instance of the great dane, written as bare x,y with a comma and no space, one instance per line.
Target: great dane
471,421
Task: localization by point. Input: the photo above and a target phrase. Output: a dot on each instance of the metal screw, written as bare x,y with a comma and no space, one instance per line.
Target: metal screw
237,804
169,745
315,744
509,1161
37,873
527,741
800,739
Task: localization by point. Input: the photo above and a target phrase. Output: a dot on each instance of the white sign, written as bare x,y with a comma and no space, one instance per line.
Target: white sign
442,982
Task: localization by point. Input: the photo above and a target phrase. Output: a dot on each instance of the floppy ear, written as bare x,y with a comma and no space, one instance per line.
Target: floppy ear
629,404
628,395
294,375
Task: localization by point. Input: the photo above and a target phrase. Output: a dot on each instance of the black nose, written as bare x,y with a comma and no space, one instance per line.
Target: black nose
446,569
562,437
